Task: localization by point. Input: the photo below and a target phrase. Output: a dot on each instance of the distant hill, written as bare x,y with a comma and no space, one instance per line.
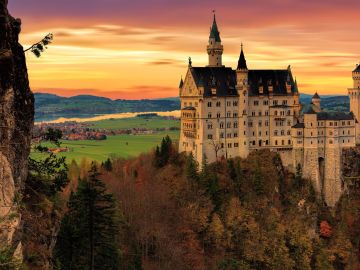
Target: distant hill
50,106
329,103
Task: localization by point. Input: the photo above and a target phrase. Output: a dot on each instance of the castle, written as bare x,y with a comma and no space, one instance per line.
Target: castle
227,113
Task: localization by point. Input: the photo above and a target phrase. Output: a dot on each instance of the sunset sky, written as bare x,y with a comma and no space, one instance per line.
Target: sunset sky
139,49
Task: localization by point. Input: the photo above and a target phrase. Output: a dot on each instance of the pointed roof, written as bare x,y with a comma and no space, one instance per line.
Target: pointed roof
357,69
181,83
242,60
214,32
316,96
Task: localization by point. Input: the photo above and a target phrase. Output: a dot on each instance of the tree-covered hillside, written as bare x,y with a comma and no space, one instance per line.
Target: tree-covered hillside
49,106
238,214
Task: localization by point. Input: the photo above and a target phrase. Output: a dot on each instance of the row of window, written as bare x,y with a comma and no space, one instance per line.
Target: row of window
191,104
218,104
331,124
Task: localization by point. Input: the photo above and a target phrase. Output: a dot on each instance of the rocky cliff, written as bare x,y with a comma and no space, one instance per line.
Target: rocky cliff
16,121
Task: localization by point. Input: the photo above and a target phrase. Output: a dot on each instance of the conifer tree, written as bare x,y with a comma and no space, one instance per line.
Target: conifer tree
191,168
88,231
258,180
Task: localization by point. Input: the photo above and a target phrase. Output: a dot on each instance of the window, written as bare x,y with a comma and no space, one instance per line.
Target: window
235,124
228,125
236,144
266,113
276,142
221,125
266,102
256,102
284,102
209,104
289,142
288,132
266,123
210,136
228,114
260,113
275,102
228,135
244,112
235,135
260,123
252,113
275,132
282,142
250,124
210,126
222,135
218,104
235,103
276,113
218,115
209,115
289,123
282,133
228,103
235,114
229,145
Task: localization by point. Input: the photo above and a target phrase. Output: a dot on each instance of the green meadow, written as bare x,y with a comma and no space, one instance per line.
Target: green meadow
124,146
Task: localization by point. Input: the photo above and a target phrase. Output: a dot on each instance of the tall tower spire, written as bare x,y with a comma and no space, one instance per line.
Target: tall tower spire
214,48
242,60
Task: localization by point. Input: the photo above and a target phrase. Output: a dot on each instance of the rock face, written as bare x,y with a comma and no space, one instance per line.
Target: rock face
16,121
351,168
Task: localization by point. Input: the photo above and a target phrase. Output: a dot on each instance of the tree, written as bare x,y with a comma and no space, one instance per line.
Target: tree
191,168
107,165
216,145
298,177
325,229
49,173
258,180
38,48
87,237
163,153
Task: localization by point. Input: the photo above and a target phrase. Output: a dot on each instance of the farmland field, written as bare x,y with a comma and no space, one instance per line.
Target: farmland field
120,146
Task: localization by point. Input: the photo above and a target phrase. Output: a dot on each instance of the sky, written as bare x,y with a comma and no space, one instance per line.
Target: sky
136,49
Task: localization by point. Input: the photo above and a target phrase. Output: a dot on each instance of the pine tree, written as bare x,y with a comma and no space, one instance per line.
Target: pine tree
191,168
258,180
88,231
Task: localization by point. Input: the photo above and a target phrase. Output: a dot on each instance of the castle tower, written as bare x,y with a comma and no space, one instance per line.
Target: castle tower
214,48
242,74
316,103
354,95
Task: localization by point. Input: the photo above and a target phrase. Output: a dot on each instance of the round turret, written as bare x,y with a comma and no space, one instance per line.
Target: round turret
316,102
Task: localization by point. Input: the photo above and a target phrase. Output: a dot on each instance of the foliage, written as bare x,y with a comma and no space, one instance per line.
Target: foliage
163,153
87,237
49,174
7,260
325,229
38,48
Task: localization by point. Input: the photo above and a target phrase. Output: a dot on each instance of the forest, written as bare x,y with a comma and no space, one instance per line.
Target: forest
160,211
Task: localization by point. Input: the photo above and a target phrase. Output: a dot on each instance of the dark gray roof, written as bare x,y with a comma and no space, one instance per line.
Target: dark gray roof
214,32
221,78
277,78
181,83
298,125
357,69
242,61
335,116
316,96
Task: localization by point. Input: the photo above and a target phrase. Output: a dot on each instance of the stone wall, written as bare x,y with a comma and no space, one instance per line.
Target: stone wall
332,188
16,120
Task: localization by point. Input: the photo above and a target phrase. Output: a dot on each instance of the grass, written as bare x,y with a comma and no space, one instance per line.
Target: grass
136,122
120,145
